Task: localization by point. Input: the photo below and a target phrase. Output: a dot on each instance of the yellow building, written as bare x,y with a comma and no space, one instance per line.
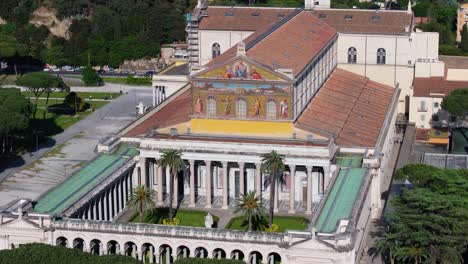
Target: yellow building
462,19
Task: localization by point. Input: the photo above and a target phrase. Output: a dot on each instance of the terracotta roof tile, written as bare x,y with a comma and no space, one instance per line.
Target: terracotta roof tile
350,107
367,21
242,18
176,111
294,44
436,86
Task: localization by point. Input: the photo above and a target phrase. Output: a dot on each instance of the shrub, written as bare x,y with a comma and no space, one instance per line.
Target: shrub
175,221
45,254
90,76
138,81
208,261
273,228
75,102
449,50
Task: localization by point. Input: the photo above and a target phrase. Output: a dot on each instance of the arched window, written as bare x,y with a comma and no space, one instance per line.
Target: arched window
215,50
211,106
352,54
241,108
381,54
271,109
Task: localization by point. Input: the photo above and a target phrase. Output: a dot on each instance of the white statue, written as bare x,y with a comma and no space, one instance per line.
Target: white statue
209,221
141,108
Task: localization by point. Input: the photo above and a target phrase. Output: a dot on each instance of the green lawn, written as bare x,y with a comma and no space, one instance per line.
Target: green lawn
65,121
186,217
85,95
284,222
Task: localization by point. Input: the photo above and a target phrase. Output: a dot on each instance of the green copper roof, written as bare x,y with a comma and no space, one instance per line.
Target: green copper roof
352,161
340,202
72,189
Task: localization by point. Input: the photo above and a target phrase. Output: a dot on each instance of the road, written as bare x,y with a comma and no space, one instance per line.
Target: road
75,147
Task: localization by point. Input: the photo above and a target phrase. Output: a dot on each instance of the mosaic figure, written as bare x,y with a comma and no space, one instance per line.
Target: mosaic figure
199,106
241,70
257,107
284,108
227,106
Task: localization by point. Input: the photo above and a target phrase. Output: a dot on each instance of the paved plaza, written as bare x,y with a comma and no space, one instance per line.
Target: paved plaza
72,149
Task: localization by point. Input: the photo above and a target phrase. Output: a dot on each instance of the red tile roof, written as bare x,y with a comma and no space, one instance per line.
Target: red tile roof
436,86
242,18
294,44
254,18
176,111
367,21
350,107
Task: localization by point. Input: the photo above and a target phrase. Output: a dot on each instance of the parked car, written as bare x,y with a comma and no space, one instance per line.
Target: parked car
150,73
101,71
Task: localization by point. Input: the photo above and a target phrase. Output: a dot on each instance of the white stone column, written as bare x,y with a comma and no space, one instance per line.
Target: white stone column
154,96
326,178
143,170
168,177
192,183
160,187
309,190
120,195
125,190
292,189
151,255
208,183
225,185
105,201
258,179
315,186
241,179
168,256
90,210
115,200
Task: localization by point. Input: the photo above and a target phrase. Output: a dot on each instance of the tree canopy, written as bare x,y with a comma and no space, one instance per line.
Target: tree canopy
14,117
45,254
41,83
430,220
456,103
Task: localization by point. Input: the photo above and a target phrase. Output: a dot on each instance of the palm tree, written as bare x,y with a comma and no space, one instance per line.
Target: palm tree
249,206
388,247
273,164
415,253
173,159
142,197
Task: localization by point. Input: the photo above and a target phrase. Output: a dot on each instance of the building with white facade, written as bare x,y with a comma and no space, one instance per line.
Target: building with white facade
379,44
279,87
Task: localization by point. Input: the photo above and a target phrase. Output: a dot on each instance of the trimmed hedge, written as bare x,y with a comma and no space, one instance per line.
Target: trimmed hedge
45,254
208,261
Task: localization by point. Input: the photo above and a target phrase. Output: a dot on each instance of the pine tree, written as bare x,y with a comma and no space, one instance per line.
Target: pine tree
464,39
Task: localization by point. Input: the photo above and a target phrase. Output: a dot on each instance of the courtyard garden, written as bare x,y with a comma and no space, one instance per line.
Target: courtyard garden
186,217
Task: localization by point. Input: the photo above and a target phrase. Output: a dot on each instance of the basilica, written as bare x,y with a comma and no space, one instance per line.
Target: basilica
321,86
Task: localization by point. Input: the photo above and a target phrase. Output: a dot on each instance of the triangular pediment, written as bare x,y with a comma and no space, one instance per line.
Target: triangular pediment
21,223
241,68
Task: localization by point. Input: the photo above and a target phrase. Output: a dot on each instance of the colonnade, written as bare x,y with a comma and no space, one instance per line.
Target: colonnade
167,254
159,95
154,177
109,202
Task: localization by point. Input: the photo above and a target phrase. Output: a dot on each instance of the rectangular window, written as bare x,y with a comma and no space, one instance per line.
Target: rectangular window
423,117
436,104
